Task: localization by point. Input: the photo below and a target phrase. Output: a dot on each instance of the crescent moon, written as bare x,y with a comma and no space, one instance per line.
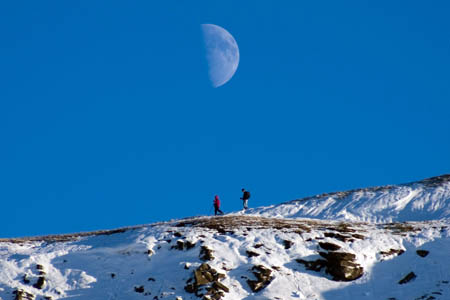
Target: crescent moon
222,54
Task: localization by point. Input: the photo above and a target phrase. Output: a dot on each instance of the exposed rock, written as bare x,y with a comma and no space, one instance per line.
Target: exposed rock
179,245
22,295
342,266
25,279
252,253
287,244
258,246
221,286
201,278
40,283
399,228
329,246
410,276
422,253
206,253
263,278
315,265
190,288
39,267
178,234
344,228
139,289
392,252
206,283
189,245
151,279
338,236
358,236
113,275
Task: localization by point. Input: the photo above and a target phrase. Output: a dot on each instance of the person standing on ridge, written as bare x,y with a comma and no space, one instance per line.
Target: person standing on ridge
245,197
217,206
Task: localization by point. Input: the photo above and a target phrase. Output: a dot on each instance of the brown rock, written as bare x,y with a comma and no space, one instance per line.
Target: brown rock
287,244
358,236
40,283
190,288
315,265
22,295
252,254
189,245
209,276
200,279
422,253
410,276
206,253
221,286
392,252
204,267
341,266
341,237
263,278
329,246
25,279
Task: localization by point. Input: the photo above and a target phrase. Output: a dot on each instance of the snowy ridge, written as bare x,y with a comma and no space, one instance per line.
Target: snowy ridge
428,199
272,254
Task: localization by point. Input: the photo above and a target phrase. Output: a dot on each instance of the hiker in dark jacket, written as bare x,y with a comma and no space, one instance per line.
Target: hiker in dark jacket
217,206
245,197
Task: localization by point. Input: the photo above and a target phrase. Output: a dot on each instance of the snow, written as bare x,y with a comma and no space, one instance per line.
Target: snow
110,265
408,202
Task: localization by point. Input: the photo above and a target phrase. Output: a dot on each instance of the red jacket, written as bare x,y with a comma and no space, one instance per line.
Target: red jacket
217,201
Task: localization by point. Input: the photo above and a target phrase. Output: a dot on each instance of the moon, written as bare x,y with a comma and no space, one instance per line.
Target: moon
222,54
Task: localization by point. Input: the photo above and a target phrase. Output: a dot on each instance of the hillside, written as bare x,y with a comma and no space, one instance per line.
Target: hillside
423,200
260,255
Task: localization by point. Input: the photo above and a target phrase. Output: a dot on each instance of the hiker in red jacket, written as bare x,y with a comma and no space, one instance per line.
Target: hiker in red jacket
217,206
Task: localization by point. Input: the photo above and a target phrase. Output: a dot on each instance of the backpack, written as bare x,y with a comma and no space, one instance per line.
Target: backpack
246,195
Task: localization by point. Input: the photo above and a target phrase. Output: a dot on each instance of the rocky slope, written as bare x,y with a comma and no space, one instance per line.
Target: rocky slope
262,255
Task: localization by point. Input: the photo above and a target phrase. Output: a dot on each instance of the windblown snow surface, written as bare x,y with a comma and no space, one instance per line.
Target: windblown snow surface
398,235
428,199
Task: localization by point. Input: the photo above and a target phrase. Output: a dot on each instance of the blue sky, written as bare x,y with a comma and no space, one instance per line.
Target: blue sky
108,119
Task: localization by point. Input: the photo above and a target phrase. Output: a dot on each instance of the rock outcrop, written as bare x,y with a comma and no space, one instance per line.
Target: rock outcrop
410,276
40,283
205,283
422,253
23,295
263,278
329,246
206,253
340,265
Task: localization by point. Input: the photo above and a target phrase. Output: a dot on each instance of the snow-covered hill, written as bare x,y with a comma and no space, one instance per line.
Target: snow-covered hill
428,199
262,255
